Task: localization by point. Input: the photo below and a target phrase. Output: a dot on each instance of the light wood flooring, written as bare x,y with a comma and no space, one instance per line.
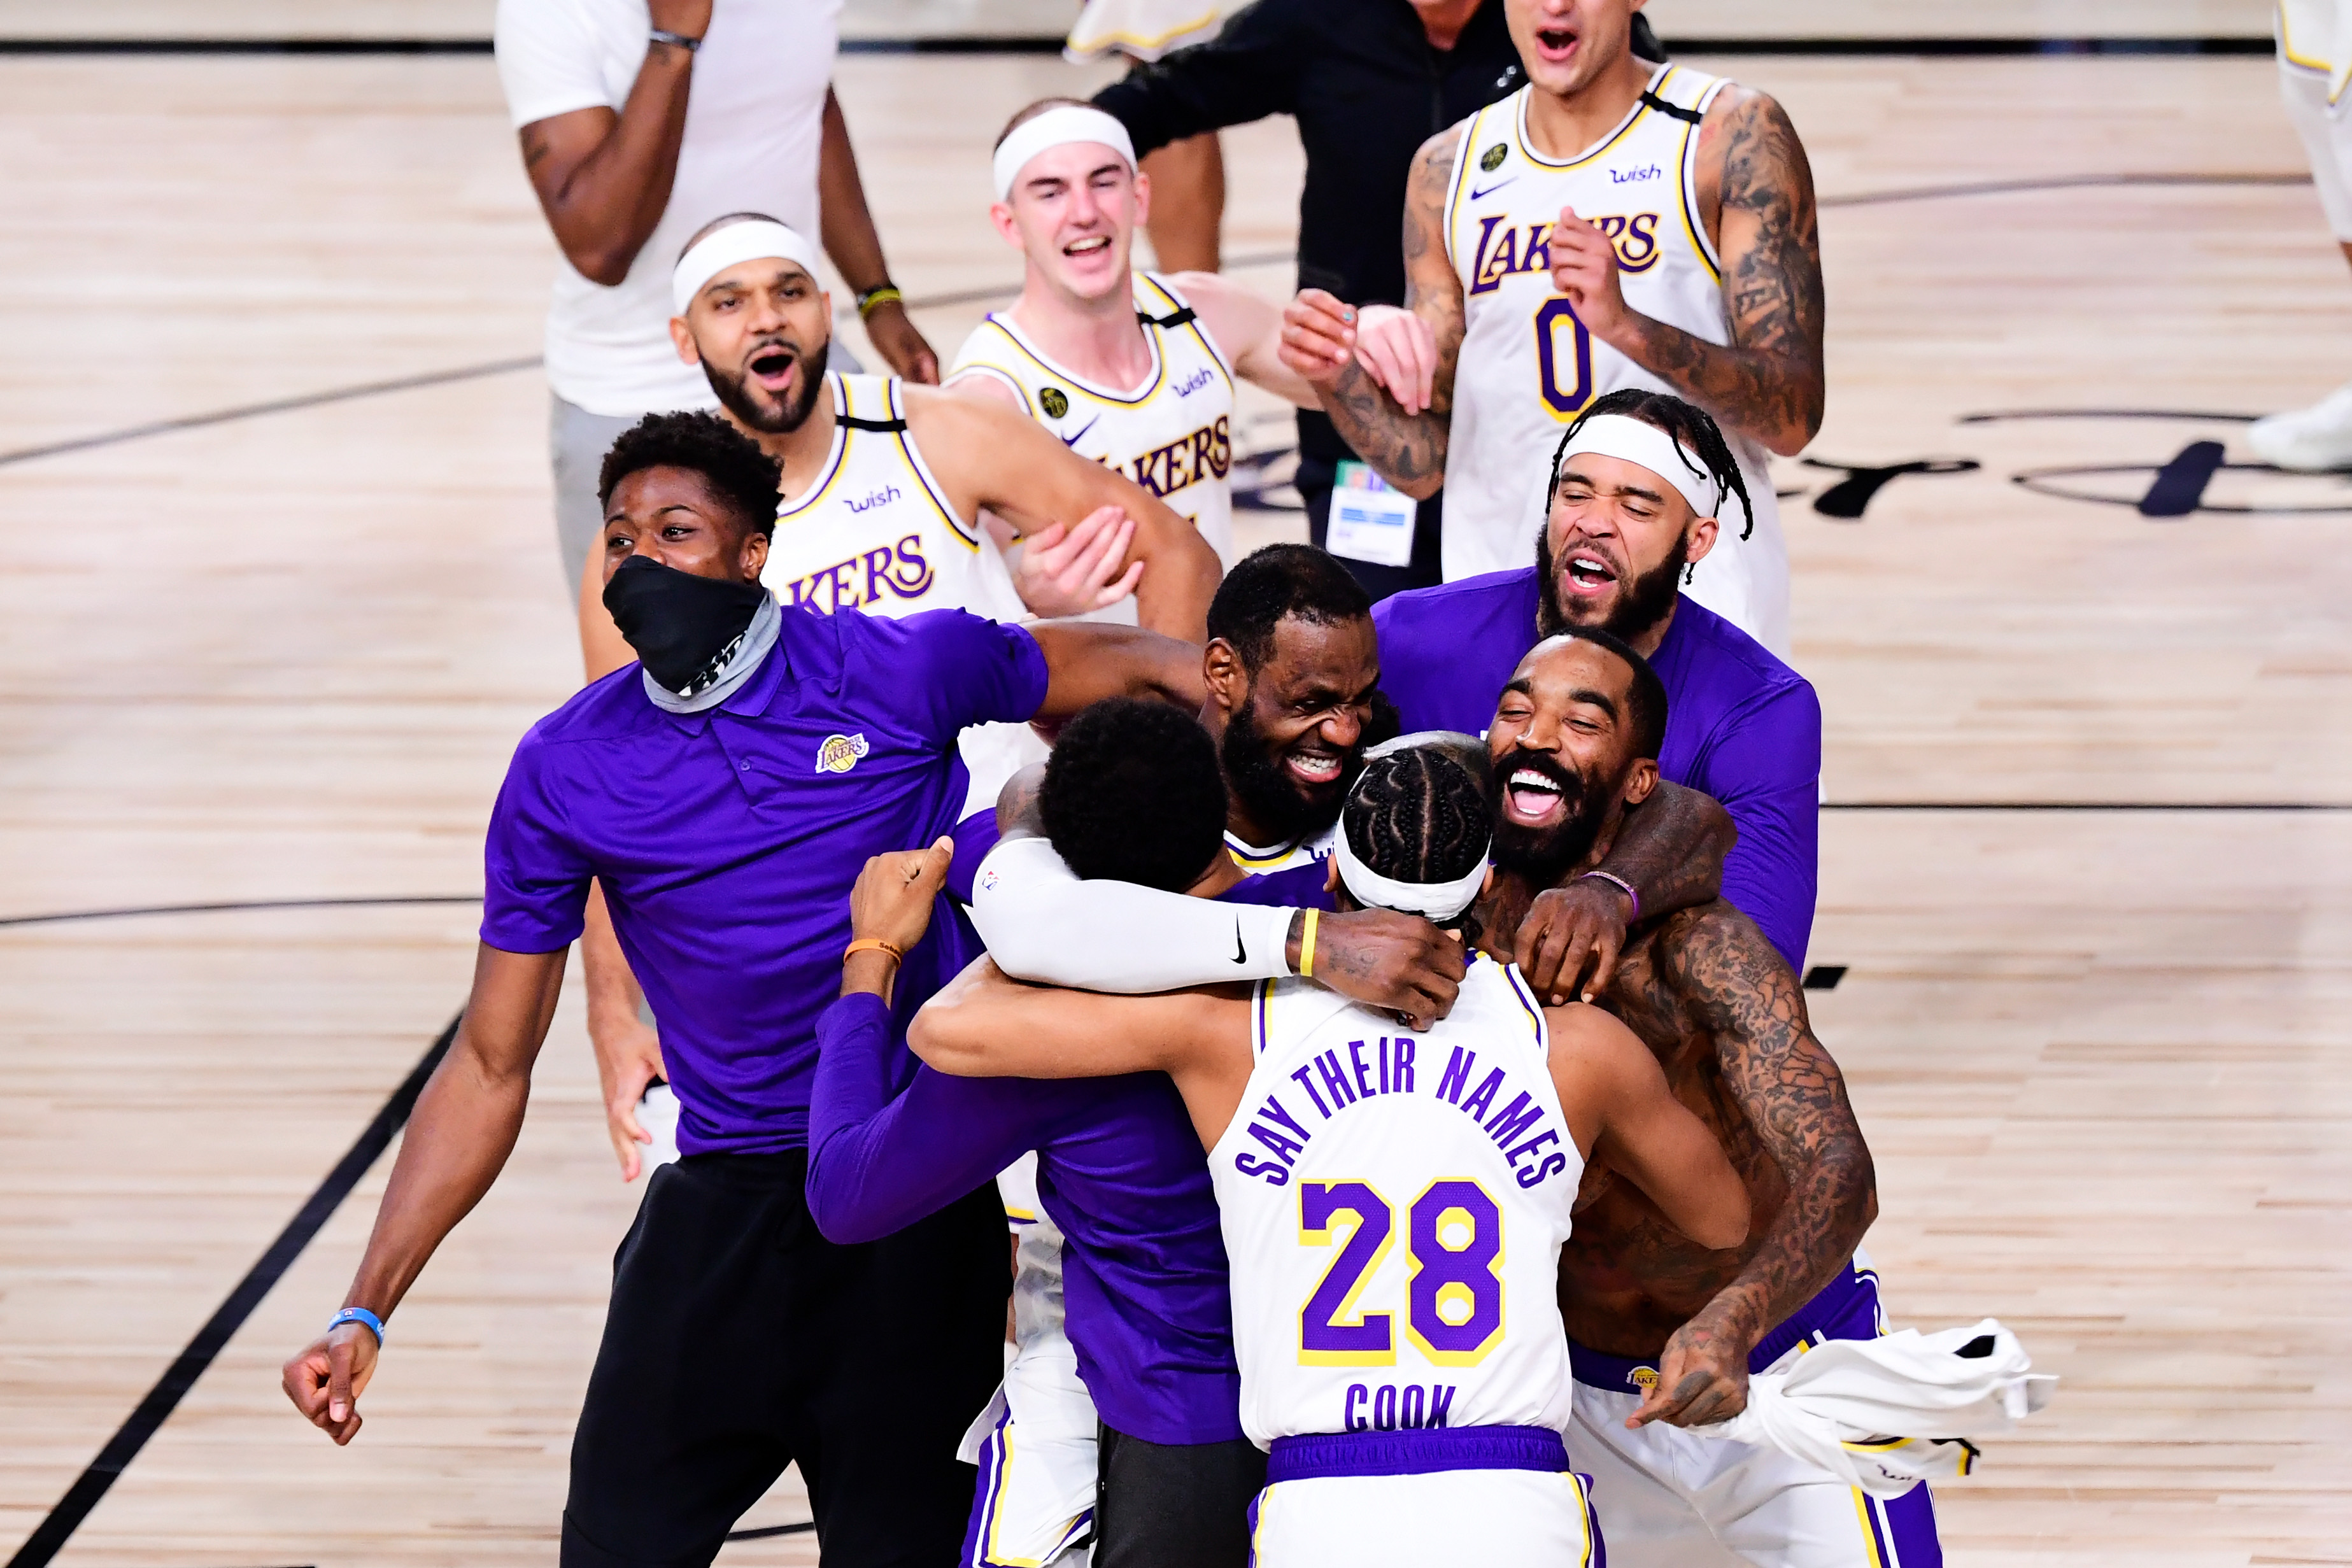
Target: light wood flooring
2101,1055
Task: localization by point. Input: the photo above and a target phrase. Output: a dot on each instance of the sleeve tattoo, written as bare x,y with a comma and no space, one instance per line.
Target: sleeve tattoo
1767,384
1409,451
1793,1095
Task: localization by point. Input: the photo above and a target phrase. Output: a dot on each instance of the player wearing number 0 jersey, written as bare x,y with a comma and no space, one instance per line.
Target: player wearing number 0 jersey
1616,223
1393,1202
1522,336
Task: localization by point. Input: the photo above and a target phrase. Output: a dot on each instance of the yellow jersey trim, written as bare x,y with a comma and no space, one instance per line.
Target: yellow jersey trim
1079,384
967,535
1633,117
835,460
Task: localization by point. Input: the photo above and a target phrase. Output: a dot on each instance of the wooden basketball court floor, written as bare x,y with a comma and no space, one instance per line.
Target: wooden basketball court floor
2086,859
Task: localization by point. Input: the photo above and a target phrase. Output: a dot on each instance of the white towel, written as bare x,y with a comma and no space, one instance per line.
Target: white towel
1885,1414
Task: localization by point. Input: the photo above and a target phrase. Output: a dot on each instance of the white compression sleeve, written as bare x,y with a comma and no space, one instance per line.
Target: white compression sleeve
1042,923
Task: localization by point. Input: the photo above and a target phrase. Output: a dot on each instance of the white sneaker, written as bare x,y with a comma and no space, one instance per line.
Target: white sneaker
2307,440
657,1114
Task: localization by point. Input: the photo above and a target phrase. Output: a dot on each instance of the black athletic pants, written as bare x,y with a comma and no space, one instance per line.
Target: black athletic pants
1162,1506
741,1340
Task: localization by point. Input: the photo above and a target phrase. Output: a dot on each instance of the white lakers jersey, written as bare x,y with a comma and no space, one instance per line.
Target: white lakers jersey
1527,366
874,531
1394,1210
1172,436
1258,859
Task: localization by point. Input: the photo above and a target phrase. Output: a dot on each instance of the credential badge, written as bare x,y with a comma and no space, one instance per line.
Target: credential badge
1492,159
1055,401
840,753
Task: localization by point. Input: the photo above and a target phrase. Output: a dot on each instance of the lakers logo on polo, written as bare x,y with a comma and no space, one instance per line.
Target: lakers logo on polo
1492,159
840,753
1644,1378
1055,401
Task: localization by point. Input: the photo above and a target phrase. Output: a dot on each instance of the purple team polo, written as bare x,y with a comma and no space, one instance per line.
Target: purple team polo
1119,1168
1740,725
727,841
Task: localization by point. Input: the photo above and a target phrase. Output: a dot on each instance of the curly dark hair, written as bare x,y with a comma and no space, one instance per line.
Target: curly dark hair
1132,793
1270,586
1418,815
1687,423
729,462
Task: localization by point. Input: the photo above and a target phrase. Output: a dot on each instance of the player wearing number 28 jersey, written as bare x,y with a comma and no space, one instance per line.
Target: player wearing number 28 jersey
1393,1202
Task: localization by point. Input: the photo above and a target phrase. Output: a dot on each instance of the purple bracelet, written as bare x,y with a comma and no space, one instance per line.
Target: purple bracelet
1624,886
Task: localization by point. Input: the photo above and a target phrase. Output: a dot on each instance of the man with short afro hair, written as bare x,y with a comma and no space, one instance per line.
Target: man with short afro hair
729,462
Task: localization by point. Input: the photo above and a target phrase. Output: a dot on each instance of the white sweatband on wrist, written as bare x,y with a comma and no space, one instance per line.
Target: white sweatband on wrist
1043,923
1056,127
749,240
1624,436
1437,901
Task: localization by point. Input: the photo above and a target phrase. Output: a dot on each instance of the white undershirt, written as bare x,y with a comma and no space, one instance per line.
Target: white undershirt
754,121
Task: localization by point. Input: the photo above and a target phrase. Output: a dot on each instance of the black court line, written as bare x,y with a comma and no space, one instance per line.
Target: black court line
153,1410
227,908
764,1531
2058,182
1039,44
277,405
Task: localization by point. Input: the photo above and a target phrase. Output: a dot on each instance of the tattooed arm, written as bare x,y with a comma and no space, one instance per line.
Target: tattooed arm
1757,187
1743,993
1354,364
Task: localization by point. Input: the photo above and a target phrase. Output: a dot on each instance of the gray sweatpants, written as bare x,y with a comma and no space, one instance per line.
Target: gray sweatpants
576,443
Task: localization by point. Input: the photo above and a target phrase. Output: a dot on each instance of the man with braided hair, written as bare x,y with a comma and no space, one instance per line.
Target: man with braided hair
1636,486
1392,1201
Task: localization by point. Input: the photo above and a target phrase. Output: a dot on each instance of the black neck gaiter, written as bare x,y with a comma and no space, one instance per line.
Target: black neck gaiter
678,623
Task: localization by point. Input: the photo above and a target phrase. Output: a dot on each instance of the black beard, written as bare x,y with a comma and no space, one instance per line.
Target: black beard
1541,856
1639,608
735,400
1254,772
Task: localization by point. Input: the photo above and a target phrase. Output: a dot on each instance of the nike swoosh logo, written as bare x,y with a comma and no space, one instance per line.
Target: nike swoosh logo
1241,953
1081,435
1478,196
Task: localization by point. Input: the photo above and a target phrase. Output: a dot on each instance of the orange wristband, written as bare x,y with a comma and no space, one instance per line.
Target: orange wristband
872,944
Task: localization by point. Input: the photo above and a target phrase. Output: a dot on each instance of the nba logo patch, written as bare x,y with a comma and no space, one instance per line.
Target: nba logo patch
987,880
840,753
1644,1378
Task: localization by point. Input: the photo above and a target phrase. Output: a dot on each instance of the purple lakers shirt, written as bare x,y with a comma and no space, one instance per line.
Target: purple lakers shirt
727,841
1119,1169
1740,725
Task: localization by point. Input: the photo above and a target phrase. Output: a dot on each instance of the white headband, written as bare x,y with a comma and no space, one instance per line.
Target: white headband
746,241
1438,901
1056,127
1621,436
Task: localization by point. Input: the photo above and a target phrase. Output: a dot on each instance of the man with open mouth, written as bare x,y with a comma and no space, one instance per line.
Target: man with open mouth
1638,481
1616,223
1664,1332
1132,369
883,482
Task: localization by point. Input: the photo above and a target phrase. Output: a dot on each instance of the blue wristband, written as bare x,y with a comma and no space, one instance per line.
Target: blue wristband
361,1315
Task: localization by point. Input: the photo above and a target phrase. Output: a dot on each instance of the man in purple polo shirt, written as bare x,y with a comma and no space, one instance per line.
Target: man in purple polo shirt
725,792
1635,488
